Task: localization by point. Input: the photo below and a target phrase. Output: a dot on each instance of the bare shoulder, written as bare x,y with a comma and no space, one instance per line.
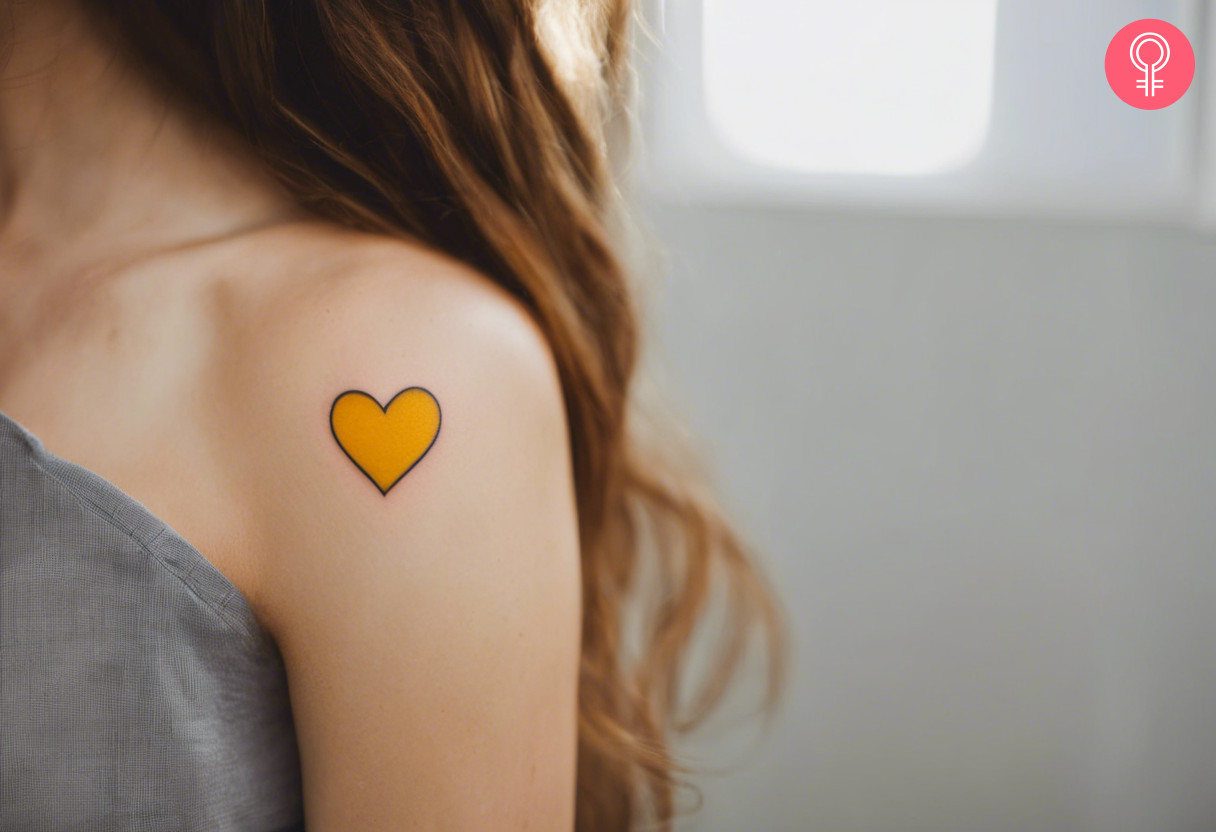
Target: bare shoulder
379,316
404,453
360,304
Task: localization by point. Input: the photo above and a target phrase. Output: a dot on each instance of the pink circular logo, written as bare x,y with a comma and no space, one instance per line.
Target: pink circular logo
1150,64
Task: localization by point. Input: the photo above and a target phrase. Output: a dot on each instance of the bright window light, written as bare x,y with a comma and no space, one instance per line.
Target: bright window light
864,86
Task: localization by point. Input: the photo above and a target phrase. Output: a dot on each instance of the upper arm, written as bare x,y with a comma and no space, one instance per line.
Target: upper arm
430,633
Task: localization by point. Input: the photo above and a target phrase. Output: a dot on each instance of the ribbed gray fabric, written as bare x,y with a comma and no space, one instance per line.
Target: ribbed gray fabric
137,689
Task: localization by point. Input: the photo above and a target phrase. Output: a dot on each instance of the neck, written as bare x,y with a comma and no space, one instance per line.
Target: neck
95,161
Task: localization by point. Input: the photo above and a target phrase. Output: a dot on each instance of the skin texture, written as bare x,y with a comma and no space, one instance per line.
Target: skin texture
169,320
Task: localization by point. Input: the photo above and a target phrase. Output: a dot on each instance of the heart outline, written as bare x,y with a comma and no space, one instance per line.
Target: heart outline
384,410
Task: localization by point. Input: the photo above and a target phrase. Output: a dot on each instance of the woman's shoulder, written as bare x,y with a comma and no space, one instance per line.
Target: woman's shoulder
315,285
418,566
315,332
321,311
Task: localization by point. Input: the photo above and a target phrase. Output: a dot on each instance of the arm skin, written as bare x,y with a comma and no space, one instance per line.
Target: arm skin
430,634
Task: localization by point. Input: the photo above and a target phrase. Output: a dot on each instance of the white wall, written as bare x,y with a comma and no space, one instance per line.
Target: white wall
980,459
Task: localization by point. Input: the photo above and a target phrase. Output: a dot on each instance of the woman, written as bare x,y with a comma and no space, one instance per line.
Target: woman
316,376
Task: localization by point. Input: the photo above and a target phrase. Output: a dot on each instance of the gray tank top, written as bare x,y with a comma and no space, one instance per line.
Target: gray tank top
137,689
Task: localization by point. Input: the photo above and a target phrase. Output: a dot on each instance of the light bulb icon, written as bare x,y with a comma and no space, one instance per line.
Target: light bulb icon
1150,83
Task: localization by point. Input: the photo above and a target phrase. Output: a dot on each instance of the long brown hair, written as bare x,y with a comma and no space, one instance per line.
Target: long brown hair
482,128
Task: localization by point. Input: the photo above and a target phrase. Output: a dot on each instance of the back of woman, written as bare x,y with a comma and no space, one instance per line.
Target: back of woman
326,496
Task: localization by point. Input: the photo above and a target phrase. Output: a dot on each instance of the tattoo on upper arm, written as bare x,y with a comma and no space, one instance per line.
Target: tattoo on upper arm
385,443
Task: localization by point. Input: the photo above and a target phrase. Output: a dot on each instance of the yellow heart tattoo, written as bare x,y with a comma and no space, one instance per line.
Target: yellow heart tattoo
385,442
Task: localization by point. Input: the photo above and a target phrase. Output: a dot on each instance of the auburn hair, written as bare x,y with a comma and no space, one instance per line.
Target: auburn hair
482,128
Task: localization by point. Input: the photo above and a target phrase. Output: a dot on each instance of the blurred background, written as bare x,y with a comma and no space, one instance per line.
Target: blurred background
941,308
